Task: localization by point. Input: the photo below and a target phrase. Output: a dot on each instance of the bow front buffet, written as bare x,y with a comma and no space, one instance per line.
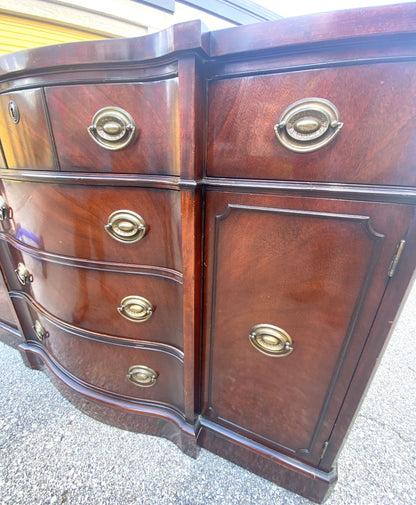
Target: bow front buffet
206,236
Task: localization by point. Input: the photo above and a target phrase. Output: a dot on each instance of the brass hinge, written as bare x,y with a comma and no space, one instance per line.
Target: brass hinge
324,448
396,258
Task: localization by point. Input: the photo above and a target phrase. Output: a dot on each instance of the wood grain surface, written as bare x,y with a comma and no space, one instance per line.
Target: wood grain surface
88,298
26,144
49,217
376,144
105,365
318,270
153,107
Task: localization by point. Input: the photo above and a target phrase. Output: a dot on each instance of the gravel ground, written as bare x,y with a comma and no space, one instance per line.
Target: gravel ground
50,453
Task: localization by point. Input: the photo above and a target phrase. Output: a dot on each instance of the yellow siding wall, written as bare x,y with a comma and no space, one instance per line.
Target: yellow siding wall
18,33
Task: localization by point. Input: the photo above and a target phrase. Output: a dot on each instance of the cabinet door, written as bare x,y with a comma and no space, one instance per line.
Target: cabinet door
314,268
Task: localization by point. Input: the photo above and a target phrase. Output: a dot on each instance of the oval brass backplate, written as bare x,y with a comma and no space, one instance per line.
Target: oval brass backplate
142,376
126,226
112,128
136,309
308,125
271,340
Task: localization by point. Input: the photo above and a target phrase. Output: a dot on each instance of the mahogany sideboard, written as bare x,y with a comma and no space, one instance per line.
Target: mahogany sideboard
207,236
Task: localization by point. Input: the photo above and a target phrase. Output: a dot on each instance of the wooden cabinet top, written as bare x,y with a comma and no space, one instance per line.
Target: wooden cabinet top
290,34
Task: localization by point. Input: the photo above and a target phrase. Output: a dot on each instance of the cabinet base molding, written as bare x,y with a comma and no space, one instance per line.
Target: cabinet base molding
283,470
147,419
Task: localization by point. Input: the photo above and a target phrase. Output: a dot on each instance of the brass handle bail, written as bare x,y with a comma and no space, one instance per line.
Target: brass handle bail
40,331
136,309
23,275
142,376
112,128
271,340
308,125
126,226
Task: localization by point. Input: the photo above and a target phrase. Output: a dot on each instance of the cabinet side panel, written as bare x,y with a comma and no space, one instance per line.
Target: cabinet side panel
6,312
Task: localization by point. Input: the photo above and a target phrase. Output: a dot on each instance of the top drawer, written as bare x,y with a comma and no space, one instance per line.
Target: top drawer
376,144
149,147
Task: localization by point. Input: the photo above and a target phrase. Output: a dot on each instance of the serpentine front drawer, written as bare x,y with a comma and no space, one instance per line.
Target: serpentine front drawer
132,370
131,225
124,128
136,304
350,139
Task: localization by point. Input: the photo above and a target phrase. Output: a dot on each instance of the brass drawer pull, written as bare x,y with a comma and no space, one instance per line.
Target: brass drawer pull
271,340
308,125
126,226
5,210
136,309
142,376
40,331
112,128
23,274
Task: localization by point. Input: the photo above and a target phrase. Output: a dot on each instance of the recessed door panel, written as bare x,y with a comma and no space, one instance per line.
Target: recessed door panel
292,284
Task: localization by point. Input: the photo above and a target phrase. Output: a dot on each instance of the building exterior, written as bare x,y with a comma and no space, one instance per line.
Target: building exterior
31,23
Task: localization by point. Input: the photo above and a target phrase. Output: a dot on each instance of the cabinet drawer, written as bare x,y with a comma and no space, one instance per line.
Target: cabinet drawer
316,269
99,300
71,221
106,365
24,132
151,106
376,143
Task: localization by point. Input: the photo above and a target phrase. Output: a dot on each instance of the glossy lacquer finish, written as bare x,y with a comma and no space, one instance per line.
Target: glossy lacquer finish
376,143
49,217
86,55
154,109
335,28
27,143
315,268
89,298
